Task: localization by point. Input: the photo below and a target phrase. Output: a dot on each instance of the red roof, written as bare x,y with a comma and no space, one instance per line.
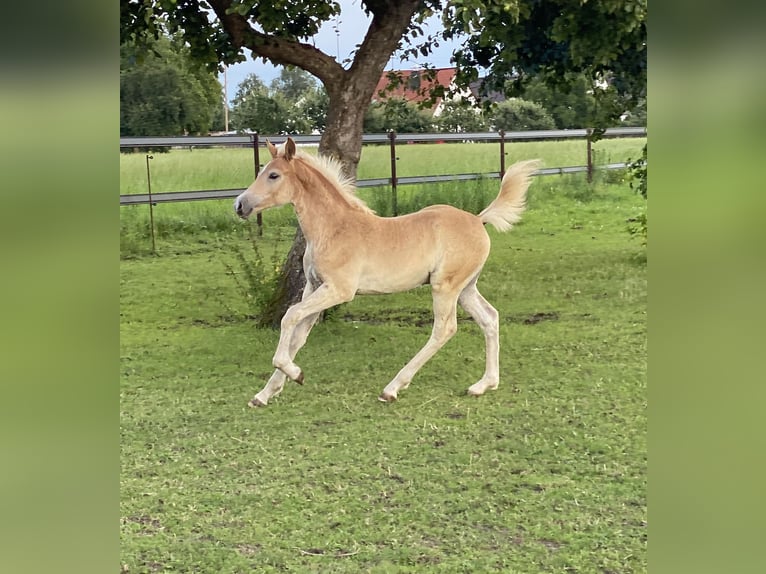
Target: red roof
415,85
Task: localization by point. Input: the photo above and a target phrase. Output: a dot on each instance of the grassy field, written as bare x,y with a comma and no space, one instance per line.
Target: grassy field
546,474
232,168
224,168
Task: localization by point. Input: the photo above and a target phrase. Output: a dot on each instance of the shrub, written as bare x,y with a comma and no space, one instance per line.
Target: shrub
516,114
638,226
398,115
256,279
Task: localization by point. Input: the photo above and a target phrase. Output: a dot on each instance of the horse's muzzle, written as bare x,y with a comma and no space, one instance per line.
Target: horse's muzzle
242,210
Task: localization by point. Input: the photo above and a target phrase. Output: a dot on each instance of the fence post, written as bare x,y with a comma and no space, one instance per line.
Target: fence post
392,144
151,205
502,153
257,168
588,133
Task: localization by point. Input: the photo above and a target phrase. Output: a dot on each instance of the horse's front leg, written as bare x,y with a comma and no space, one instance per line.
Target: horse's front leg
277,380
323,298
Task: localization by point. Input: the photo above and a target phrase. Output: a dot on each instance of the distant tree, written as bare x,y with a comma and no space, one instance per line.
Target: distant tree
571,105
636,116
314,108
460,117
218,122
516,114
293,84
399,115
254,109
292,104
304,102
164,92
252,84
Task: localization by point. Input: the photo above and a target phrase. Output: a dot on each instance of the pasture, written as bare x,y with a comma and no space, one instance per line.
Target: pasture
545,474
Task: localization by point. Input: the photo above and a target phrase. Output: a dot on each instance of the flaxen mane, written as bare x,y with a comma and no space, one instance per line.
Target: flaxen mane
332,170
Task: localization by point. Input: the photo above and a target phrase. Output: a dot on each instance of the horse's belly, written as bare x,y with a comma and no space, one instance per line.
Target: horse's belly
393,280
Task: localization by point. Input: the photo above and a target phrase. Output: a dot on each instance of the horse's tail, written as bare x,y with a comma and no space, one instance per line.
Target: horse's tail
509,204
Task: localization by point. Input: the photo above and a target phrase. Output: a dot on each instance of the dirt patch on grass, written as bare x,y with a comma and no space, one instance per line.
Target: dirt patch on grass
424,318
535,318
248,549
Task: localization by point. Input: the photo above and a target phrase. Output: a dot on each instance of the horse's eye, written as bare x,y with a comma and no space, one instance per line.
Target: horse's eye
273,175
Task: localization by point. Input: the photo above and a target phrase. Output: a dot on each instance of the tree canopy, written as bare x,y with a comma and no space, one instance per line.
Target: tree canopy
165,92
560,39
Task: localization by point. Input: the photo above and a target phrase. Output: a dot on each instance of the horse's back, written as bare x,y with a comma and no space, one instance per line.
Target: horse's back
450,224
428,246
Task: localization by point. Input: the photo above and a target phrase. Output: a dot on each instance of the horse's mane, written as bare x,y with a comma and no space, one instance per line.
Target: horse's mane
332,170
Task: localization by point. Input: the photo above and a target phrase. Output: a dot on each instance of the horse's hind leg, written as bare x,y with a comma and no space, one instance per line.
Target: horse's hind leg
445,326
487,318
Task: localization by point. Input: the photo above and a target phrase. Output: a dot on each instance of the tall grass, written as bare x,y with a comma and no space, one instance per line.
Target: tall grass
224,168
443,159
185,169
471,196
232,168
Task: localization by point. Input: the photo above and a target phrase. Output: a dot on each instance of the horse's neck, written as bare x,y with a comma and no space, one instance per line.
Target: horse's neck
319,206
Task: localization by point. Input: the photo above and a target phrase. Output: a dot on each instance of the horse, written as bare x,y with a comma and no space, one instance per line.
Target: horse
350,250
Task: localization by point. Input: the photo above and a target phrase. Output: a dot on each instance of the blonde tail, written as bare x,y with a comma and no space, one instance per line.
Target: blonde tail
509,204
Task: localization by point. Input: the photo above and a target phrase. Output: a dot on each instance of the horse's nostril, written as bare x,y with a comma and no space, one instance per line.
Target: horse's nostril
238,207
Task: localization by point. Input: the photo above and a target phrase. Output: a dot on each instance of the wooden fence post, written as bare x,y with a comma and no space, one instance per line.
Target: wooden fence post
392,145
502,153
588,133
151,204
257,168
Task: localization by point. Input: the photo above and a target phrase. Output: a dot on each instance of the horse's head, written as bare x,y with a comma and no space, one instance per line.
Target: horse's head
273,186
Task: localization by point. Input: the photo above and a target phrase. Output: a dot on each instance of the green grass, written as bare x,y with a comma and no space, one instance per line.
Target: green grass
546,474
228,168
440,159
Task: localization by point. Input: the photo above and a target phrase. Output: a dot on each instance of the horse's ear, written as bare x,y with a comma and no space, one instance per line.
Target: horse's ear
272,149
289,149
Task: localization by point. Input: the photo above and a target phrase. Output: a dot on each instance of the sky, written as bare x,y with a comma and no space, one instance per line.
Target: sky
351,27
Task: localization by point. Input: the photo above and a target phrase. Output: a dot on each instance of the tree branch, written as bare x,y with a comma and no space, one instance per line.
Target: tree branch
276,49
390,21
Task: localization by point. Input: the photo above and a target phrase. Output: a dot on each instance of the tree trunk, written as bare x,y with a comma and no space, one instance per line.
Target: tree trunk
342,139
350,92
292,280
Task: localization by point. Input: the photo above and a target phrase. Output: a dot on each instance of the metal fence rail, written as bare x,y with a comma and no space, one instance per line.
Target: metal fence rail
247,139
178,196
256,142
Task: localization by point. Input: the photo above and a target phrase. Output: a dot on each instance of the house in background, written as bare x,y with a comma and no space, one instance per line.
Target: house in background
415,86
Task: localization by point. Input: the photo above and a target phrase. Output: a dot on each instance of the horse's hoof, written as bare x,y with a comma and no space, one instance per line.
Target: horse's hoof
255,402
476,390
299,379
479,389
386,398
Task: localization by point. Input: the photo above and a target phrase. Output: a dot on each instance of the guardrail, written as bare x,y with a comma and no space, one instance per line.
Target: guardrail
256,142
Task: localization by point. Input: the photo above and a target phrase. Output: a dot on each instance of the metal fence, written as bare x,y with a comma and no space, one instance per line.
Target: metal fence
256,142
